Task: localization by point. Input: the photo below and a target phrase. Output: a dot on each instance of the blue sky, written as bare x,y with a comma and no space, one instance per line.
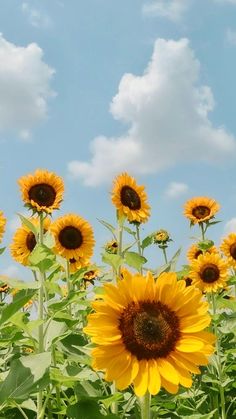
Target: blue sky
90,88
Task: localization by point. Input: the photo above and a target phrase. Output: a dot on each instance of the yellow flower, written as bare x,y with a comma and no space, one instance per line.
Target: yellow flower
200,209
24,241
2,225
209,272
130,199
111,247
161,237
42,190
74,237
77,264
90,276
150,333
228,247
194,251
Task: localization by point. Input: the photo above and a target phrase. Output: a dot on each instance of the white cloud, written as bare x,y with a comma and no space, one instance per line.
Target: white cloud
24,86
176,189
168,113
171,9
11,271
231,36
230,226
36,18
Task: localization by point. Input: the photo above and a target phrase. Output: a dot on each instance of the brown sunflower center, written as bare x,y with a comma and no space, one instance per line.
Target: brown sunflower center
130,198
232,250
70,237
210,273
201,211
43,194
30,241
149,329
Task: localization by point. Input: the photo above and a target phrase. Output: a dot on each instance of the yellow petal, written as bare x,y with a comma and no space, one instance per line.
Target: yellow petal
128,376
192,324
189,345
170,387
154,379
167,370
141,381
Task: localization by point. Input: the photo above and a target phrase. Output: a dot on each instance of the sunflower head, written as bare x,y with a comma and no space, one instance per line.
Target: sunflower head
24,241
90,276
150,334
194,251
4,288
228,247
76,264
2,225
209,272
42,190
111,247
130,199
74,239
200,209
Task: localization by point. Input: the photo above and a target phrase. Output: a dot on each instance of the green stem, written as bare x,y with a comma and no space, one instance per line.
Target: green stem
114,405
139,244
21,410
145,403
218,357
58,395
40,315
202,230
165,255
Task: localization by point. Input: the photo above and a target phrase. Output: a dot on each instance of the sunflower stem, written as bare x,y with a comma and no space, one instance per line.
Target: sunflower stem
68,282
145,403
202,230
114,405
218,357
139,244
165,255
40,314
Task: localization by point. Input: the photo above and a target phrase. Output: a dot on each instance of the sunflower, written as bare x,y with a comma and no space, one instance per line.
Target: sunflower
209,272
42,190
76,264
200,209
150,333
74,237
91,275
2,225
111,247
130,199
24,241
194,251
228,247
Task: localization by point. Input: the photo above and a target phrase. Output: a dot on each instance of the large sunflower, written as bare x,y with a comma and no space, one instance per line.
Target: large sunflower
228,247
209,272
74,237
42,190
24,241
194,251
200,209
130,199
150,334
2,225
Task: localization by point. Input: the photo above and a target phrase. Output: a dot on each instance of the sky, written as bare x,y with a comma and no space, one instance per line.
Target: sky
92,88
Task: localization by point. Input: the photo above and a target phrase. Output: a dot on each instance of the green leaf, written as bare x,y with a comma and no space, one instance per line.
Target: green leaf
205,244
135,260
20,299
48,240
113,260
147,241
128,230
21,285
53,331
28,224
109,227
174,260
42,257
27,375
2,250
87,409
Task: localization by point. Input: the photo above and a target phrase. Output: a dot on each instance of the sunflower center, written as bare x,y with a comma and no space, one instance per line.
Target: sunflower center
70,237
232,250
201,211
30,241
130,198
43,194
149,329
210,273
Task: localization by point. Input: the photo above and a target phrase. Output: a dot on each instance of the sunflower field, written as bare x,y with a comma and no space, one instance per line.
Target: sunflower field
117,339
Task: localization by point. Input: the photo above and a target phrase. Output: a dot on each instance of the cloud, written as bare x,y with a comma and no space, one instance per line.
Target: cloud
36,18
167,110
231,36
230,226
176,189
171,9
25,87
